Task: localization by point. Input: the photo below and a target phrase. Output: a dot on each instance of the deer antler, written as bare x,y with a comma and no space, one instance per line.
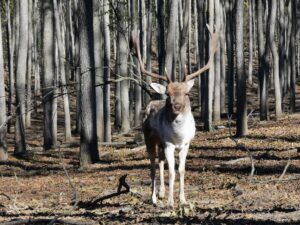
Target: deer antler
136,45
213,49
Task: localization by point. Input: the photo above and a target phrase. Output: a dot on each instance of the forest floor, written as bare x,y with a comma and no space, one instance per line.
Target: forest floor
44,187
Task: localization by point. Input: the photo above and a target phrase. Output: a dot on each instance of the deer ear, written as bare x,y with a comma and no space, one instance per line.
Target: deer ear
160,89
189,85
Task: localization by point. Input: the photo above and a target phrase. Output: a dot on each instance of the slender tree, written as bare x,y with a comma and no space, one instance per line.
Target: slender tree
171,38
98,55
106,75
3,122
217,82
241,124
11,51
62,70
88,133
123,71
274,50
210,80
29,102
48,78
20,146
230,54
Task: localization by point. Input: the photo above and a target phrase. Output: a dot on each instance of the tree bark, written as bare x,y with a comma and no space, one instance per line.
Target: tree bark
99,66
3,119
11,45
29,102
88,133
170,46
230,55
106,76
62,72
241,123
211,76
263,75
123,72
217,82
274,50
20,146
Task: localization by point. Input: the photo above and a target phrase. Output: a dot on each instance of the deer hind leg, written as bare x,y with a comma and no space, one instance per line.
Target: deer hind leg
161,156
151,151
169,153
181,169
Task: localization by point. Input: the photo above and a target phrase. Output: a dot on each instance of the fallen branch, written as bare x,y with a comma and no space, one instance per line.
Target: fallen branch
285,169
122,183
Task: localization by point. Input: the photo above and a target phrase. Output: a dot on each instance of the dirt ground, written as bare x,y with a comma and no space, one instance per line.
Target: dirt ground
43,187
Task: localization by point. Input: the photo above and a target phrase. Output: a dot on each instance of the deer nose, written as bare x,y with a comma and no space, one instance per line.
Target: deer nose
177,107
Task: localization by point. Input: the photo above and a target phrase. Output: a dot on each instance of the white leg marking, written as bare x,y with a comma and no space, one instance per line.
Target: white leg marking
169,154
181,169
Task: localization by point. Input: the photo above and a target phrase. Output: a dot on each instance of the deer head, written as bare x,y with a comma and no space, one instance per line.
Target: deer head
177,92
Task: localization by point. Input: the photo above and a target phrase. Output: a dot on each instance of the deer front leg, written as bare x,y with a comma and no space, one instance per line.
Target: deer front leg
161,172
181,169
153,182
169,154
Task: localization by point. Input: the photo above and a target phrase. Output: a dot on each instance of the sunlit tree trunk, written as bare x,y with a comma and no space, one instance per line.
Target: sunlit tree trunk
98,55
11,46
3,122
29,101
274,50
106,75
20,146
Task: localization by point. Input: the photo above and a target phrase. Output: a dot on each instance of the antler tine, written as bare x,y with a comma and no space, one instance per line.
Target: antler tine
136,45
213,49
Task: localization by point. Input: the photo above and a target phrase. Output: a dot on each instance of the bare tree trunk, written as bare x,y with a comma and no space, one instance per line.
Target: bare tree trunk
171,38
11,44
230,55
217,62
250,62
161,36
36,44
136,69
106,76
29,102
3,119
274,50
241,123
263,75
123,72
202,80
62,71
88,133
184,37
211,75
293,39
98,55
223,59
48,79
149,44
20,146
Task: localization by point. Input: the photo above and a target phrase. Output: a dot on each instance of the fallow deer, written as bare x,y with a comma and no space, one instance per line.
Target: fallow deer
169,124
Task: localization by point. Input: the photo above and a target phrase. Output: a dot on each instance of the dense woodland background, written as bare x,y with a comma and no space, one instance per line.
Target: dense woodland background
70,86
81,50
